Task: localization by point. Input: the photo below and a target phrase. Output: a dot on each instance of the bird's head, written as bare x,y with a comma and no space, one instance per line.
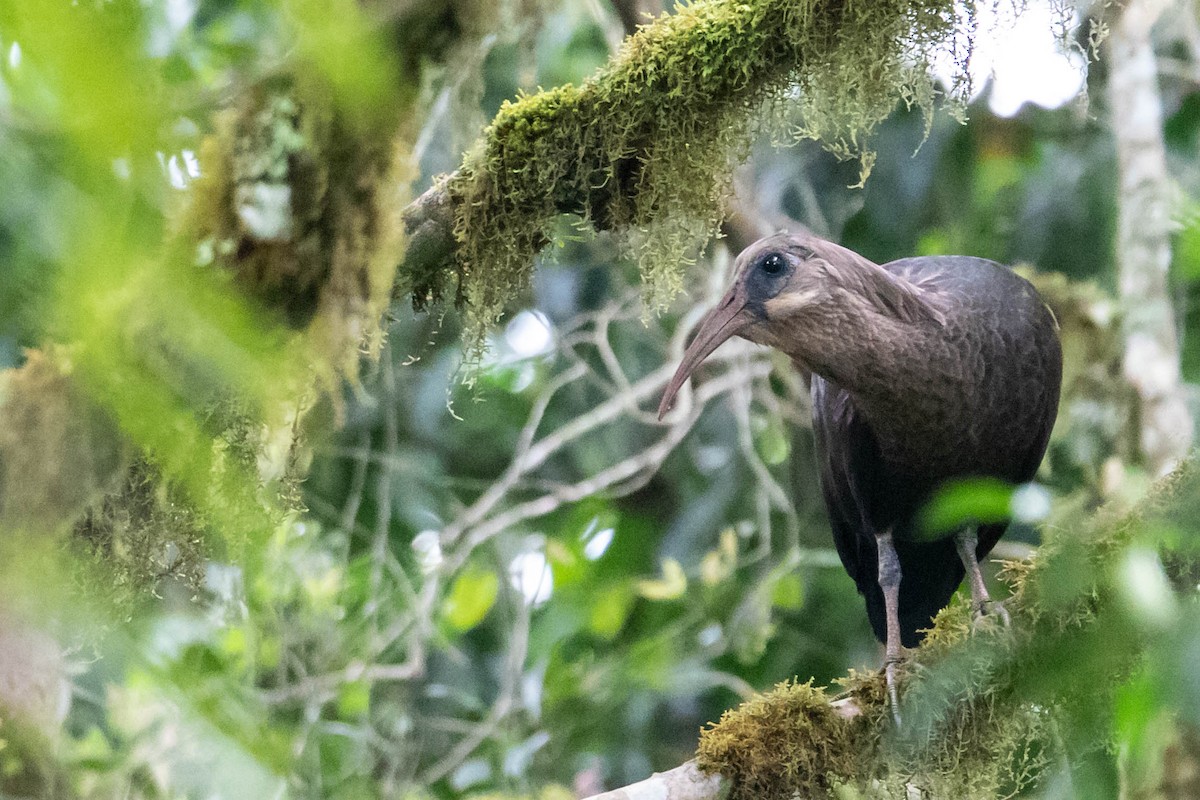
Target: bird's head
776,277
781,284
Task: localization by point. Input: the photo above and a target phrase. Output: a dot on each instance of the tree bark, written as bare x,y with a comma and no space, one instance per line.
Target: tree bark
634,13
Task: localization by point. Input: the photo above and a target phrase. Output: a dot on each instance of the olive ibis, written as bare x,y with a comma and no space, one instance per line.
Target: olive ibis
923,370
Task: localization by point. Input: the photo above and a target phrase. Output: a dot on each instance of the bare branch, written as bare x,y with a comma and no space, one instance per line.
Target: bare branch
358,482
638,466
429,226
768,490
519,466
322,688
674,87
530,455
506,701
685,782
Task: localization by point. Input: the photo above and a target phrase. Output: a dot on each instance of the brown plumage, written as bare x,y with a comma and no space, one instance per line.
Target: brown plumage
924,370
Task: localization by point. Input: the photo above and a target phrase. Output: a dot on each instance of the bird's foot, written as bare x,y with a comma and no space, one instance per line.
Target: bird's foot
889,673
987,612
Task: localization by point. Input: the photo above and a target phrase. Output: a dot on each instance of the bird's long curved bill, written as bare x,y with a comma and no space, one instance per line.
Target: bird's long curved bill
718,325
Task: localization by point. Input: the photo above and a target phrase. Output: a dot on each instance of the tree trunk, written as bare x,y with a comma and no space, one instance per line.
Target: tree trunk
1151,362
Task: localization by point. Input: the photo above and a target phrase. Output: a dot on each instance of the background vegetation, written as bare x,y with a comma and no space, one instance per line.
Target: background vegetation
267,531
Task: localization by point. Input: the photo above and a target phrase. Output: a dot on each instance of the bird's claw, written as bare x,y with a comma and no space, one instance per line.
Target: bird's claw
988,610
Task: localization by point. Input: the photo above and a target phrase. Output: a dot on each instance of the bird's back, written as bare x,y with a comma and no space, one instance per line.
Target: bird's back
977,397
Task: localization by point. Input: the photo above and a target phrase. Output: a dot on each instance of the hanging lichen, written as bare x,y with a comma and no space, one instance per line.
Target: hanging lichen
146,537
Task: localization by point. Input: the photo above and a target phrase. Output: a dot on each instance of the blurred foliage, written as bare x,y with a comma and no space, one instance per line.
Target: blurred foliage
414,589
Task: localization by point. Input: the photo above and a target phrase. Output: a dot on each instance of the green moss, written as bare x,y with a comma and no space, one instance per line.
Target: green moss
784,743
962,740
645,147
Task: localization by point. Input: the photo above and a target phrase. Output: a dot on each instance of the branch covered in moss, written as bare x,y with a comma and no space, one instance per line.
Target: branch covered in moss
990,714
644,148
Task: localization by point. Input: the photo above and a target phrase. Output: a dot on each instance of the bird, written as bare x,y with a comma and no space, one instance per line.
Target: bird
923,371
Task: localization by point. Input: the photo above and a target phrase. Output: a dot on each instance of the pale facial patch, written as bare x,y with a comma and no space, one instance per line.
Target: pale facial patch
791,302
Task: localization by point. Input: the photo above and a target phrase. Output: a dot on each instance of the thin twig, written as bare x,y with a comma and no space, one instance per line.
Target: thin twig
519,465
322,688
505,702
358,484
642,463
767,488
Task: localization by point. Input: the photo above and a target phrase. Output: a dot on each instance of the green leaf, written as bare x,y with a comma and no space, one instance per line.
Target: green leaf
719,564
1136,704
770,440
1187,244
671,586
788,593
610,610
471,597
93,749
354,699
972,501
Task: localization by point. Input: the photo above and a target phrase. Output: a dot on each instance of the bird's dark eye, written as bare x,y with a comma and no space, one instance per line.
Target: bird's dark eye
772,264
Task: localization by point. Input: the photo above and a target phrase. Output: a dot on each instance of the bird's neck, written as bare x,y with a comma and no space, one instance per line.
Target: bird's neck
863,351
871,337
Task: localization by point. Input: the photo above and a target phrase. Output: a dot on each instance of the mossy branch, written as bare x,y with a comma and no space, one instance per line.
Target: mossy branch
645,147
985,715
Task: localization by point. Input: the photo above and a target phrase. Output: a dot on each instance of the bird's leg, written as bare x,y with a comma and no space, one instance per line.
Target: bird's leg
981,601
889,582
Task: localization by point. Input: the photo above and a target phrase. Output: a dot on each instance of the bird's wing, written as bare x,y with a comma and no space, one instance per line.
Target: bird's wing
927,274
846,449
